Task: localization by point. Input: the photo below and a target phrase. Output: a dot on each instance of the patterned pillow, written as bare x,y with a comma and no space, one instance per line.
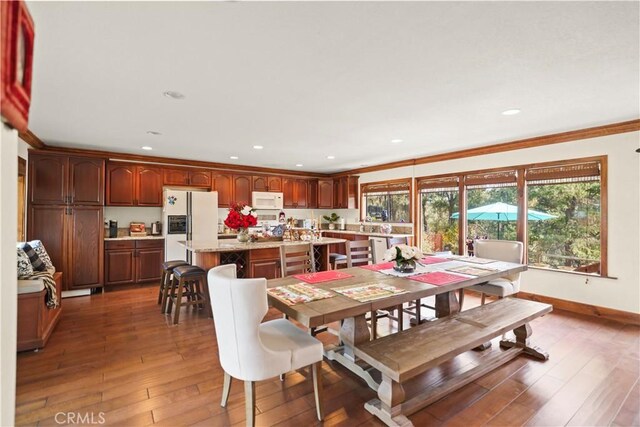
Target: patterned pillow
25,269
36,262
42,253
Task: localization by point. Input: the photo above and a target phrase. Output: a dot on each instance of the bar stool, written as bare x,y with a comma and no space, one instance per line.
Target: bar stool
165,282
191,282
336,259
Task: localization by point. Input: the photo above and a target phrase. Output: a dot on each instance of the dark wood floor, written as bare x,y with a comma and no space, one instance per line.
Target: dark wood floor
116,354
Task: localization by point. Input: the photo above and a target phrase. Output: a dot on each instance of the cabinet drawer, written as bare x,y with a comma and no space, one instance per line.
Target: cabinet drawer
156,243
119,244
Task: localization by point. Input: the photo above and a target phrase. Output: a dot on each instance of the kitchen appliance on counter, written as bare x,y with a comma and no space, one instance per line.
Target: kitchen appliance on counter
113,229
267,200
137,229
188,215
156,228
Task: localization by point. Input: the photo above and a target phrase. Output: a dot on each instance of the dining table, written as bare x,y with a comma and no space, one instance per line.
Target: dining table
448,277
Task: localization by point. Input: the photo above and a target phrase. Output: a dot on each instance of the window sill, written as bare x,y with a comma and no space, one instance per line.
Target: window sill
575,273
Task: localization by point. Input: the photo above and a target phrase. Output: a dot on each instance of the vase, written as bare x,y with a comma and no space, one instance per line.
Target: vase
405,266
332,226
243,235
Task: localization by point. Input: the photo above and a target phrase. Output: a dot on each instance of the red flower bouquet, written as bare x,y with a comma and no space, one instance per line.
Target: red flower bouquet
241,216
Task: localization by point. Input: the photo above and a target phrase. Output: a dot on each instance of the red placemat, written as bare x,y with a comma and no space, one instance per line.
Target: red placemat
433,260
323,276
438,278
378,267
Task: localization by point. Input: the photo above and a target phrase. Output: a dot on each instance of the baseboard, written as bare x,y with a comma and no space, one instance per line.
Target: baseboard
588,309
76,293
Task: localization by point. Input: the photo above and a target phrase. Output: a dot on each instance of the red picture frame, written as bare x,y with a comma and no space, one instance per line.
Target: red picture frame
17,63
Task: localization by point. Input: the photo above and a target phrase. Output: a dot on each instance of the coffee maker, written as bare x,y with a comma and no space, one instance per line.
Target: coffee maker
113,228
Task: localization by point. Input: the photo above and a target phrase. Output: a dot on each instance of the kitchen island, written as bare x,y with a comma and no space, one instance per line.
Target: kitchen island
258,259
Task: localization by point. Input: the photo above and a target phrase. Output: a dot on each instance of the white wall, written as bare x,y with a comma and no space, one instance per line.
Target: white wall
8,276
623,293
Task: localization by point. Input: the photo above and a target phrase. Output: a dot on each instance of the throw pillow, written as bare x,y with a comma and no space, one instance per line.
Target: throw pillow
25,269
42,253
36,262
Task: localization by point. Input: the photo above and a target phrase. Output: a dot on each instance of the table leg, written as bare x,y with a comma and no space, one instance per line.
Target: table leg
446,304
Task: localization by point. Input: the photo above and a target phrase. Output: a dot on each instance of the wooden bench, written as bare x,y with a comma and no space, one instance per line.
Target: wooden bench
36,321
402,356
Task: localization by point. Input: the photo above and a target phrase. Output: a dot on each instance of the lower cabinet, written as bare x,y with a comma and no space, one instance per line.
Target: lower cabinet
133,261
265,263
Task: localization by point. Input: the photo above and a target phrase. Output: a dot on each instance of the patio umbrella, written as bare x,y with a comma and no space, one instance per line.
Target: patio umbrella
501,212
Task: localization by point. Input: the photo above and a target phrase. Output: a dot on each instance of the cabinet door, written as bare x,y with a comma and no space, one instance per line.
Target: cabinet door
242,189
149,186
121,184
337,193
175,177
325,194
86,244
301,193
148,262
48,223
86,181
312,195
200,179
352,192
47,179
260,183
223,184
119,266
269,269
274,184
288,190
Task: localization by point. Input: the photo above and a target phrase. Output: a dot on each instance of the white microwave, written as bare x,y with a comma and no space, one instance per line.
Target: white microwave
267,200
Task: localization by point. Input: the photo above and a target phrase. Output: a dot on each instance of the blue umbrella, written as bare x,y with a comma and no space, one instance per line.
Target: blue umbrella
501,212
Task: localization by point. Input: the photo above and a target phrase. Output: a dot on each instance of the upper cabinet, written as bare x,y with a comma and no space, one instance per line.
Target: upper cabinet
242,189
267,183
58,180
325,193
345,192
296,193
186,177
223,184
133,185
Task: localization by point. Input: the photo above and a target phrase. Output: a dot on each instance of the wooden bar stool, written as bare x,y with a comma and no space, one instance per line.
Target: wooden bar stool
165,282
189,282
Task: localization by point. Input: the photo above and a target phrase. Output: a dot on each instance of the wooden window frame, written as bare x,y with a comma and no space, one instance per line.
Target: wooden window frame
522,202
389,182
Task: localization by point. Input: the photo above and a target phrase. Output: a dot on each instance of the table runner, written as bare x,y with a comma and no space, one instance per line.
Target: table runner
299,293
322,276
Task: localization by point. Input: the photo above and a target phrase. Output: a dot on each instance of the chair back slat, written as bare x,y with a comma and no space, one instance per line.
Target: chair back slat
359,252
297,259
393,241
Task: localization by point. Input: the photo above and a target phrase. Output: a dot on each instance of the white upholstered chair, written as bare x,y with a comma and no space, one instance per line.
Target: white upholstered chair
253,351
501,250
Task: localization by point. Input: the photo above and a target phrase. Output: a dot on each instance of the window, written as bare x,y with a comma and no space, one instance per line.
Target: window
563,224
388,201
439,201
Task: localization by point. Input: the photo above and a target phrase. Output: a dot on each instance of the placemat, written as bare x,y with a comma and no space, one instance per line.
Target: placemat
378,267
433,260
438,278
474,260
472,271
299,293
322,276
369,292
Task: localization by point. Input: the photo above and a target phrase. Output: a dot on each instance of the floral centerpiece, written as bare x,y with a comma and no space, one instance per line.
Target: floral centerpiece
240,217
405,257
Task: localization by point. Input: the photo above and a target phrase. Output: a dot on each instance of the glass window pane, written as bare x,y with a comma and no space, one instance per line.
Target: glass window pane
387,207
491,214
570,240
439,230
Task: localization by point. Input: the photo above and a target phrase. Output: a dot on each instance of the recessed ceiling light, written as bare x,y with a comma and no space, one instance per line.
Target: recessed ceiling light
173,94
331,157
258,147
396,141
299,165
153,132
146,147
511,112
233,157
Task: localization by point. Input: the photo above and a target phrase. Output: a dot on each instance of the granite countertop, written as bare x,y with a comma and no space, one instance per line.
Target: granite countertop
234,246
149,237
365,233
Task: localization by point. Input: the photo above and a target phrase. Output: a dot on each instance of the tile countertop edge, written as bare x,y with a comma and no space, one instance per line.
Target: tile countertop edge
205,246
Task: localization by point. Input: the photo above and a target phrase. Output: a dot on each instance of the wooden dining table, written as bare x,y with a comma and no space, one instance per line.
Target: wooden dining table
354,329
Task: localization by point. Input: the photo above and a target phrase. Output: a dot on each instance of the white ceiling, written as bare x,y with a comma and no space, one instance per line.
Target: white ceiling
312,79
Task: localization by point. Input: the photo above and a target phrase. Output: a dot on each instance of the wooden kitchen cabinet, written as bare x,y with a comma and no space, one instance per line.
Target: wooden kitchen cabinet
199,178
223,184
267,183
274,184
325,193
345,192
186,177
295,193
301,193
242,189
133,261
48,223
265,263
312,195
86,181
133,185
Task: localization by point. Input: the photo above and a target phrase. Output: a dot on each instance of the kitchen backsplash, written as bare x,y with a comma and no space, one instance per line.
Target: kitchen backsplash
125,215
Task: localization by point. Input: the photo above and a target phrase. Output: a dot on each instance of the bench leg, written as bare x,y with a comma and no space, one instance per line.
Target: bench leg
522,334
388,406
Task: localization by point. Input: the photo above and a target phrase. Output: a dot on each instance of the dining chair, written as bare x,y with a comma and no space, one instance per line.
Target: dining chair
359,253
500,250
252,351
297,259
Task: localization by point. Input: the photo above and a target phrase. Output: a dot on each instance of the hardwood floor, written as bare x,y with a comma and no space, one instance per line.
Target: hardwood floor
115,356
